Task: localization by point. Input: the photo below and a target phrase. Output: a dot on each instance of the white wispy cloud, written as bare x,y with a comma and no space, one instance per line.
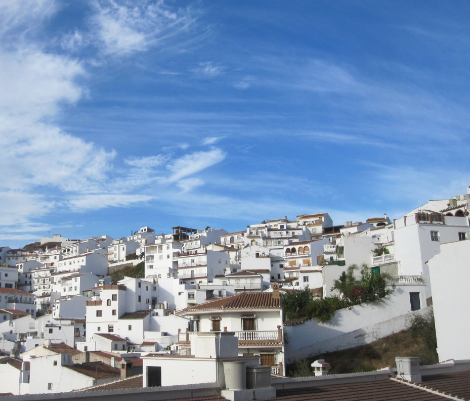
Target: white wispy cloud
147,162
209,69
124,27
211,140
102,201
73,41
189,184
193,163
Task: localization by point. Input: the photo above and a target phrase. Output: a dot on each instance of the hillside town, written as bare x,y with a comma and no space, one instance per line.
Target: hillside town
208,307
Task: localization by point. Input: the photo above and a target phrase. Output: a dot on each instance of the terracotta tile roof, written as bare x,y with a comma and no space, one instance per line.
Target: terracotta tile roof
107,355
63,349
130,382
14,311
135,315
383,390
136,361
456,384
111,337
97,370
16,363
243,300
13,291
243,273
374,219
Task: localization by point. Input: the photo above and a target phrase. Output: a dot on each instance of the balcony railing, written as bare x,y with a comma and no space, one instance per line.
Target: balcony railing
259,336
406,280
249,336
276,370
248,286
327,248
386,258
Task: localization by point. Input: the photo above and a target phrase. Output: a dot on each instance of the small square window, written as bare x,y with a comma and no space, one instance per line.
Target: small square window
49,386
305,279
99,313
114,312
129,327
462,236
114,297
110,328
434,235
55,363
99,328
50,331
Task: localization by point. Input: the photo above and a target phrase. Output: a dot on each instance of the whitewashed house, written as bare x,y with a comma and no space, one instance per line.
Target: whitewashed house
256,319
8,277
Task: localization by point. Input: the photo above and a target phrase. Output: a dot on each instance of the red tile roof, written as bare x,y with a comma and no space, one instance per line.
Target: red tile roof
14,311
456,384
13,291
130,382
62,349
97,370
111,337
243,300
135,315
383,390
16,363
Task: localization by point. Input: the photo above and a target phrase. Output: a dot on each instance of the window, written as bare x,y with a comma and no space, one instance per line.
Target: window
114,312
305,279
8,285
138,298
215,325
108,302
462,236
50,331
414,301
99,328
154,376
110,328
114,297
115,347
99,313
190,295
55,363
49,386
249,323
434,235
139,285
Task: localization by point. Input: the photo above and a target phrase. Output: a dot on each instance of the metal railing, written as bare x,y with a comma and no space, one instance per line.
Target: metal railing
406,280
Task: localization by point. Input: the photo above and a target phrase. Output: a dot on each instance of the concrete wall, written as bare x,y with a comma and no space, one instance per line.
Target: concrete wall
305,339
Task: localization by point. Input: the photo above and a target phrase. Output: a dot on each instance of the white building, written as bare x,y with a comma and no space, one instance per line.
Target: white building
8,277
450,273
256,319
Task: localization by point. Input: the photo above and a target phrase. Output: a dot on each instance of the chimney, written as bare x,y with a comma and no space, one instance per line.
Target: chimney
320,367
408,368
276,291
87,356
125,369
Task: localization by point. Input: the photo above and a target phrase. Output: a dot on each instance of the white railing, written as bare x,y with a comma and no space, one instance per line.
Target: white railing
276,370
406,280
256,335
327,248
386,258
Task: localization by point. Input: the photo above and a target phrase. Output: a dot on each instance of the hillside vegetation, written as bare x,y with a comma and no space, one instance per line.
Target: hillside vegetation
418,340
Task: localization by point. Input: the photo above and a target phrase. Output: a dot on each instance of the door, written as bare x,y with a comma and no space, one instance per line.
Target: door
154,376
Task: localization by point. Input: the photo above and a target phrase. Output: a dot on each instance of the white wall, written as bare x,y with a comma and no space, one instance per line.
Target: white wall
305,336
450,275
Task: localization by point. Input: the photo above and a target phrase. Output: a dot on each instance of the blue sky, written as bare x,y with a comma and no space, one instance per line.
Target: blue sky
119,114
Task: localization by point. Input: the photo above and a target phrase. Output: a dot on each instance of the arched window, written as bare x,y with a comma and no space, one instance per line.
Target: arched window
301,250
293,251
449,214
287,252
108,302
232,240
459,213
306,249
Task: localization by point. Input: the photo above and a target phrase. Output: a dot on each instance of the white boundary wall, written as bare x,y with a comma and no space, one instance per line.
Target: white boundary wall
359,325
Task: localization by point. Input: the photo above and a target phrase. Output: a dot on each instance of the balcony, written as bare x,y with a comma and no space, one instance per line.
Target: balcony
248,286
329,248
382,259
406,280
245,338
